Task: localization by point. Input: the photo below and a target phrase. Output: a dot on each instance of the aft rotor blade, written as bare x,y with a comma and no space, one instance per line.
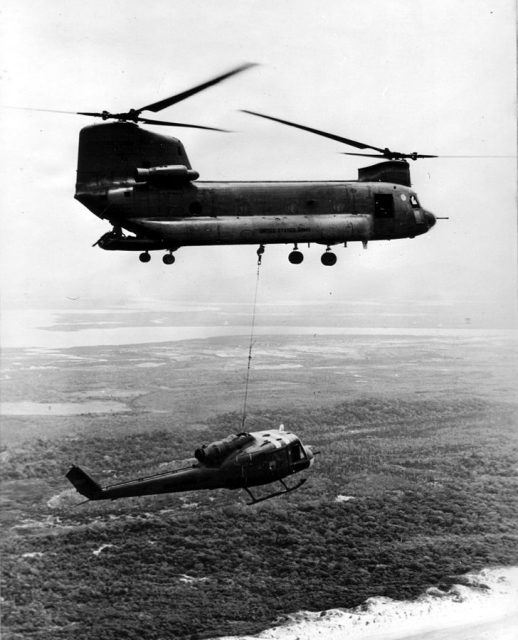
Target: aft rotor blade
364,155
44,110
167,102
94,114
179,124
325,134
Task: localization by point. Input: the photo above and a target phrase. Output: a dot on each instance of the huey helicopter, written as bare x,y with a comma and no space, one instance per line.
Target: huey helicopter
239,461
143,183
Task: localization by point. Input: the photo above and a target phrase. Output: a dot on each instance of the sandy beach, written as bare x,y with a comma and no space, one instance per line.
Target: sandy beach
483,607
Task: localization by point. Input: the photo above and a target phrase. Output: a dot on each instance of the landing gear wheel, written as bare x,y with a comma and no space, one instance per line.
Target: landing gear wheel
144,257
168,258
328,258
295,257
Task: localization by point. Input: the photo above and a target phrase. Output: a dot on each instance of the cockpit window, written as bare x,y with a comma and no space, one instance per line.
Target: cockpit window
297,453
414,201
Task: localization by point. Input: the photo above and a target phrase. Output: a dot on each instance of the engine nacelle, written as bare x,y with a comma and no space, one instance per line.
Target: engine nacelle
170,175
213,454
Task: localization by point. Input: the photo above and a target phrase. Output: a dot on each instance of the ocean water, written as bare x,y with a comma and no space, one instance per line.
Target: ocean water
27,408
36,330
484,606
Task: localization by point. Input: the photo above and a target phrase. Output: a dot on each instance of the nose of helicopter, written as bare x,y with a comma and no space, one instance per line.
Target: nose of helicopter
310,453
429,218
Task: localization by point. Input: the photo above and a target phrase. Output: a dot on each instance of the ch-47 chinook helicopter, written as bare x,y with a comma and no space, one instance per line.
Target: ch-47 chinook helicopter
238,462
143,183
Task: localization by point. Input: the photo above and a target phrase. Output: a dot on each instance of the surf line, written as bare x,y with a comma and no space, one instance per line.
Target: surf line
260,252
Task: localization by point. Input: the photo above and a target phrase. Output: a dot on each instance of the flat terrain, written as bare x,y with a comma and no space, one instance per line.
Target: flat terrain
416,481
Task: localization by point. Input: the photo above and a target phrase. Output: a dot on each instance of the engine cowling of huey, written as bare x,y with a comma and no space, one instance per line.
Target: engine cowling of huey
173,174
213,454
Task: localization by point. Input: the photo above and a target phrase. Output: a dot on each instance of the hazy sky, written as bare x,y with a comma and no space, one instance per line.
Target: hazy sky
436,76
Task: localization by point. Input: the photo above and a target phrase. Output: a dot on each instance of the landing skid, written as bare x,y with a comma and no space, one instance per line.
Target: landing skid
275,494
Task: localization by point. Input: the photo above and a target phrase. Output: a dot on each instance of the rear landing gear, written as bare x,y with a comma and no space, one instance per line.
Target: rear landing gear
284,490
144,257
328,258
168,258
295,257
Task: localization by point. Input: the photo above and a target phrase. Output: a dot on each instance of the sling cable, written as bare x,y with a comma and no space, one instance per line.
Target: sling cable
260,252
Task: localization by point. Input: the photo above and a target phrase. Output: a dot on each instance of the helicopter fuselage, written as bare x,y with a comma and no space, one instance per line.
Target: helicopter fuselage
142,182
209,213
237,462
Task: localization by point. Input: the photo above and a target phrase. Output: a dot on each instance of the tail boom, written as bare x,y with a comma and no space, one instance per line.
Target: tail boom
187,479
84,484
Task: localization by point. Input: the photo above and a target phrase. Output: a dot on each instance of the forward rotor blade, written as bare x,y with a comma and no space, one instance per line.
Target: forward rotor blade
179,124
325,134
420,155
441,156
391,155
167,102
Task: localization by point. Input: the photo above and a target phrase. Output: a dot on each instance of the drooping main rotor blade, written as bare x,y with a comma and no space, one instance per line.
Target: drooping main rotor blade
179,124
325,134
420,155
441,156
363,155
94,114
382,153
133,115
167,102
135,118
75,113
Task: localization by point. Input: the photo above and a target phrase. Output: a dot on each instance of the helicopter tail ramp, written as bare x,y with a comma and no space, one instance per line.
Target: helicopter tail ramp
85,485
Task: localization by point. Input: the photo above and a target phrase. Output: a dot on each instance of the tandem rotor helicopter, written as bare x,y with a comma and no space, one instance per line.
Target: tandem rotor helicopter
143,184
240,461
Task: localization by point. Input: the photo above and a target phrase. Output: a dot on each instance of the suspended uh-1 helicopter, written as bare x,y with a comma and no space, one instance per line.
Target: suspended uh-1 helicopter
143,183
238,462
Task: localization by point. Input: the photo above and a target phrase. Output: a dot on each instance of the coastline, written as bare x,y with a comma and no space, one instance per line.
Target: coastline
35,330
483,606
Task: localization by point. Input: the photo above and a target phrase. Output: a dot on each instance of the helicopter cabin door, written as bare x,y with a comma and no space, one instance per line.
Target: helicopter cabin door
384,220
262,467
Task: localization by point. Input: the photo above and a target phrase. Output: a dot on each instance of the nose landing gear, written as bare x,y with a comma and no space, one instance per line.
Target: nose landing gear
144,257
328,258
295,257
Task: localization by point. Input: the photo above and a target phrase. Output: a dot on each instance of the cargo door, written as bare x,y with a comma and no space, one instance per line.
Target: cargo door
384,220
